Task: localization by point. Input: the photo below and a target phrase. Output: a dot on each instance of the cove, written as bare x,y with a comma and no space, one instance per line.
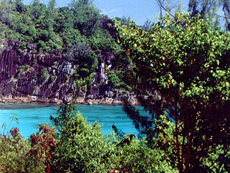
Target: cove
31,115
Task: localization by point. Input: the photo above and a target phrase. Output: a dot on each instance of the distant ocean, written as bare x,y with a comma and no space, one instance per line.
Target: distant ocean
31,115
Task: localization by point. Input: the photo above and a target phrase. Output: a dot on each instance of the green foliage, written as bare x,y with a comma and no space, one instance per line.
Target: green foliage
166,139
83,148
12,150
115,80
53,78
45,73
137,157
86,17
6,13
78,32
25,68
101,40
182,64
49,27
83,83
19,155
176,47
209,9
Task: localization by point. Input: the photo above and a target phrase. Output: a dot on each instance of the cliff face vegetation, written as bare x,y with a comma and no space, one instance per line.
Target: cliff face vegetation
29,77
51,54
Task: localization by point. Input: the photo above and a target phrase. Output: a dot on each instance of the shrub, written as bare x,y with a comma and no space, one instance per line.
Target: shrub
23,156
137,157
12,150
42,144
83,148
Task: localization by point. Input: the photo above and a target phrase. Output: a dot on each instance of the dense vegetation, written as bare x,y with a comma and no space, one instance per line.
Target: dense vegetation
78,147
178,67
182,65
78,32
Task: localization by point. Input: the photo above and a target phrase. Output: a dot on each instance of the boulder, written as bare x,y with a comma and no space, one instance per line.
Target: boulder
110,94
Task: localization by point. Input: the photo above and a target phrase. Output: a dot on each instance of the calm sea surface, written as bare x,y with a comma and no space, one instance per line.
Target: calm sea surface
31,115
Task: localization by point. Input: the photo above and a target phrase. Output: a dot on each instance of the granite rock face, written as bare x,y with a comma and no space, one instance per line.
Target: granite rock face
28,77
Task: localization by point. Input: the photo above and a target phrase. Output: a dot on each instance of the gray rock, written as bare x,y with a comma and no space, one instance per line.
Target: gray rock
90,96
110,94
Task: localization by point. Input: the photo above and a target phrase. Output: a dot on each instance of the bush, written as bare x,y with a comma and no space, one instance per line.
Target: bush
83,148
80,147
12,150
23,156
137,157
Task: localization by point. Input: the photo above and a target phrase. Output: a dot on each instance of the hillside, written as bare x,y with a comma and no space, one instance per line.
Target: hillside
51,54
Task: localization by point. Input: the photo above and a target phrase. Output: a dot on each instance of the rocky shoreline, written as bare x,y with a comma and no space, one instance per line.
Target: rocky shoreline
79,100
26,77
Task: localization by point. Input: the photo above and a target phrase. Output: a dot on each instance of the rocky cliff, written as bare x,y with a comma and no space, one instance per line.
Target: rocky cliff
50,78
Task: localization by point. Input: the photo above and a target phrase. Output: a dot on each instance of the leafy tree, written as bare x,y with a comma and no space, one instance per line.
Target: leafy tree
81,147
101,40
51,13
19,155
86,17
147,25
84,57
80,3
64,20
37,9
124,20
210,9
183,67
20,7
6,11
84,148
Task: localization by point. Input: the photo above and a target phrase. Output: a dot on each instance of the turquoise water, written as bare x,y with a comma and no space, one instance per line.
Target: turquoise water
31,115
